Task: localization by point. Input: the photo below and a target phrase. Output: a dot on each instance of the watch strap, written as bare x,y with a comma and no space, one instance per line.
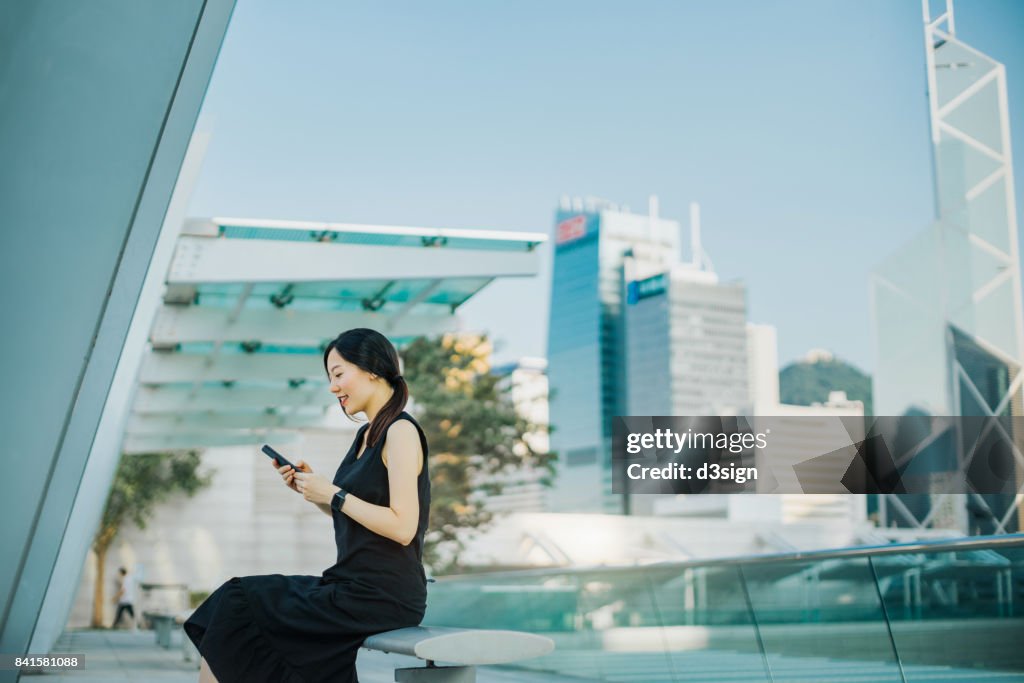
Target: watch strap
338,500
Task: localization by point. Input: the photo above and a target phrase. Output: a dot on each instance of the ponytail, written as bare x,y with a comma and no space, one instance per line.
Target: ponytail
390,411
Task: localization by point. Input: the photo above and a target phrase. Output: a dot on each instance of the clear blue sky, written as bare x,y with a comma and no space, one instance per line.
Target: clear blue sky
801,127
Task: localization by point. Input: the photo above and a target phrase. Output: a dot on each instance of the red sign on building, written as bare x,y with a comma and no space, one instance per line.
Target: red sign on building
571,229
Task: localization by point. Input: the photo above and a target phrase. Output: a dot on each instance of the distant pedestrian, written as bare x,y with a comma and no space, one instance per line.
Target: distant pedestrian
125,597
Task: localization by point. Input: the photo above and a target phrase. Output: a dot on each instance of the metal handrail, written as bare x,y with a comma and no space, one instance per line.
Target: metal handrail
940,545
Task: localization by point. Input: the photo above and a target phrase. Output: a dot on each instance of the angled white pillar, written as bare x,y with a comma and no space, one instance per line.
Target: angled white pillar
94,179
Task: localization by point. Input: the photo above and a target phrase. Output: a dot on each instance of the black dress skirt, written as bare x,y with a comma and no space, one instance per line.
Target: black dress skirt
303,629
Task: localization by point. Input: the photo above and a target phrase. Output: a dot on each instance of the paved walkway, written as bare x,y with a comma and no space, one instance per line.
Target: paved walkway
134,657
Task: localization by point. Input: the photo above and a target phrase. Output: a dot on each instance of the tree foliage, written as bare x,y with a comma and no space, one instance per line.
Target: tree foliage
475,435
141,483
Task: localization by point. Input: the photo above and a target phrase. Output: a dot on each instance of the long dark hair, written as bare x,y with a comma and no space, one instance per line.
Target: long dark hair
372,352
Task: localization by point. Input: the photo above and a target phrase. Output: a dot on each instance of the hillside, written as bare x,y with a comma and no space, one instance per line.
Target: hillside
806,382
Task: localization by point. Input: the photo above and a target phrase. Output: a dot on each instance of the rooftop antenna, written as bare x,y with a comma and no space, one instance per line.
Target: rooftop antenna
701,261
652,215
695,249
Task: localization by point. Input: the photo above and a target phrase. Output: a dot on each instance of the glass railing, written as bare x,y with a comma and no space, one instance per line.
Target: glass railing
948,610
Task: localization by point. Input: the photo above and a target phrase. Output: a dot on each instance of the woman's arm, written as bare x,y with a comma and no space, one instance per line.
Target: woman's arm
403,456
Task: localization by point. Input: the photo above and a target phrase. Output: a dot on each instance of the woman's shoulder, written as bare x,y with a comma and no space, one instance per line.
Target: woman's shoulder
404,415
404,433
404,422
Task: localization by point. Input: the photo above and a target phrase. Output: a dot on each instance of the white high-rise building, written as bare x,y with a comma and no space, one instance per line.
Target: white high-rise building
762,367
686,344
798,436
522,490
685,333
801,433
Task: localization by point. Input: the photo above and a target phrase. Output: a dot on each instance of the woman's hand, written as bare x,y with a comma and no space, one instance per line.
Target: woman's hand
315,488
288,474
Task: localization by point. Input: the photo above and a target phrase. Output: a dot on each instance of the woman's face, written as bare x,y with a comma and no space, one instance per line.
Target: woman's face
350,384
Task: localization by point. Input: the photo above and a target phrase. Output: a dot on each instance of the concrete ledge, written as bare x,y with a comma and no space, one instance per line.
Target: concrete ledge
467,647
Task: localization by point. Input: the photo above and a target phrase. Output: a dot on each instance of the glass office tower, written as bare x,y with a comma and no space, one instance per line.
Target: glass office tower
586,348
947,306
687,351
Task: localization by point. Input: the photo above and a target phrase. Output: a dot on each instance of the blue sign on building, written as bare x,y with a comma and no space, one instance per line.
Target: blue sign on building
641,289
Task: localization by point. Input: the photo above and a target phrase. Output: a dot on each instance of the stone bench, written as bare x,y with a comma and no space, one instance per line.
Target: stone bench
464,648
163,624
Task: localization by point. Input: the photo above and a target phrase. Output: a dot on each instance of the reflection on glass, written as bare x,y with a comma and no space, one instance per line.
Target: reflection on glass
956,609
892,613
819,618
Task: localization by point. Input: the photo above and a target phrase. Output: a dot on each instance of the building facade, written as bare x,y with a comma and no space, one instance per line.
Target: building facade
522,488
586,340
762,367
687,347
949,332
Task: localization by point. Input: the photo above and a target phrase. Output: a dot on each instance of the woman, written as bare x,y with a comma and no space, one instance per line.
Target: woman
289,629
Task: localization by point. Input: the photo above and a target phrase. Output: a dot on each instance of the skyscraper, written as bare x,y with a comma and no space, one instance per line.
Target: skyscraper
586,348
949,331
686,344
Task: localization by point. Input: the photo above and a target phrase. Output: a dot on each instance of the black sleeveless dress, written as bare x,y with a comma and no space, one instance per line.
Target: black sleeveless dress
304,629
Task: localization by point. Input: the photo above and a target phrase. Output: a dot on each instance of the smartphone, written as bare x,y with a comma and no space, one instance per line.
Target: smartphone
281,460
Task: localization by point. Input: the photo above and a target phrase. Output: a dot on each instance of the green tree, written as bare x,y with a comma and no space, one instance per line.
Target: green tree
141,483
474,433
